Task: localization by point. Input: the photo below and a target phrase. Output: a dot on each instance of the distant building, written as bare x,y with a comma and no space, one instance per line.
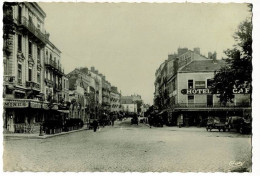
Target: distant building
128,105
115,99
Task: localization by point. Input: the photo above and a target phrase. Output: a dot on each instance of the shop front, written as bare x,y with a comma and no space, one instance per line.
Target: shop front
26,115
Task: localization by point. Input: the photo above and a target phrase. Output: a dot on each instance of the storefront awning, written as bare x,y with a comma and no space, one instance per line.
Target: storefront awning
64,111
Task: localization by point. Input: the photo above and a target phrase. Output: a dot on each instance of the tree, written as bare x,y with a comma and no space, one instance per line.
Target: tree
238,71
139,104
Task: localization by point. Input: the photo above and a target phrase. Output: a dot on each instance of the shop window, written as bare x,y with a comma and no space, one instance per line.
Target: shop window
20,43
38,118
199,84
19,117
190,84
19,74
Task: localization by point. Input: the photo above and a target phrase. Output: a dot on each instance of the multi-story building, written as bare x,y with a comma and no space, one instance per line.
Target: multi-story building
106,91
115,99
32,70
128,105
53,72
184,95
24,66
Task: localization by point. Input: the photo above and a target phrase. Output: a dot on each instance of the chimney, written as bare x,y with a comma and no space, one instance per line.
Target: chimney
209,55
92,69
182,51
47,35
214,57
196,50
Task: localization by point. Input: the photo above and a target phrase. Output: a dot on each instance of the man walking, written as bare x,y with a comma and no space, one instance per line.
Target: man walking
95,125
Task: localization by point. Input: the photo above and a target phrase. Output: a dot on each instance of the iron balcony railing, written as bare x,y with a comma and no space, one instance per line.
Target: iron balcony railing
32,85
9,79
216,105
54,65
33,29
58,87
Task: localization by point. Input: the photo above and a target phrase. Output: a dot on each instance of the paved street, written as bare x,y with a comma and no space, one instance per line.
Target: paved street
126,147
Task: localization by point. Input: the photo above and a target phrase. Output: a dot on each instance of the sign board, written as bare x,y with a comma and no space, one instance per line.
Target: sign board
16,104
36,105
207,91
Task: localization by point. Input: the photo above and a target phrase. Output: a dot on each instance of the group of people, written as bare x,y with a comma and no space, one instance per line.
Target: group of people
106,119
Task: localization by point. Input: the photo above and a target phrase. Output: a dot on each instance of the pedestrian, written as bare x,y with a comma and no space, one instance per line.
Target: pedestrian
150,121
95,125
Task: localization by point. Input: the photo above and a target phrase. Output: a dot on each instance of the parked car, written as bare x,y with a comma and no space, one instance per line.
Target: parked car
215,123
134,120
241,124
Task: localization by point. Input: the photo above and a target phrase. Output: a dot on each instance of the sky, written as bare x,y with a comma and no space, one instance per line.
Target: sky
127,42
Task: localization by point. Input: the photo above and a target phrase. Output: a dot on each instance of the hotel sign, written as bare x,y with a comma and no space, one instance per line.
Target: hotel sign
16,104
207,91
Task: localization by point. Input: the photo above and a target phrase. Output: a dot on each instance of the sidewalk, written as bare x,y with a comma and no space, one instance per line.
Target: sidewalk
37,136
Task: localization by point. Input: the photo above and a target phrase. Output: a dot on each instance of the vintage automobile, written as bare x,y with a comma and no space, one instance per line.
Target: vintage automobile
215,123
241,124
134,120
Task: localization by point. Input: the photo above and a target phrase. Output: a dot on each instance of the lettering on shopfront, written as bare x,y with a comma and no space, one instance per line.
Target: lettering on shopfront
207,91
35,105
16,104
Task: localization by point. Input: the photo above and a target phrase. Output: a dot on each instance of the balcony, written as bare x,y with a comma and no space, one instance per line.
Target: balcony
205,105
9,79
33,29
32,85
54,66
48,82
58,87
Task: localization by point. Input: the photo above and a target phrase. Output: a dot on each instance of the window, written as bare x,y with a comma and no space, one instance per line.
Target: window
30,74
51,78
199,84
30,48
173,85
38,77
20,14
209,83
20,43
190,99
30,18
38,53
190,84
19,73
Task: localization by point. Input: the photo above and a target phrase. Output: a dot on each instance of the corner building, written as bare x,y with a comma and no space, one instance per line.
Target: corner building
182,94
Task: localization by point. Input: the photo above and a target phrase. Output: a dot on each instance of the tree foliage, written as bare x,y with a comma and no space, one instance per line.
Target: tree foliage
238,71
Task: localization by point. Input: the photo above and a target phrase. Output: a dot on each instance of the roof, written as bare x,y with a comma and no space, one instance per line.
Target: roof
203,66
127,101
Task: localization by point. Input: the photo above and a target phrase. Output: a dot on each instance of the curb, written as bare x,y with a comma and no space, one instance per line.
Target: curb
41,137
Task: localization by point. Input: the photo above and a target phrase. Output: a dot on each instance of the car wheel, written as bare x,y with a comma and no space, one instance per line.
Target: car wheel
224,129
210,128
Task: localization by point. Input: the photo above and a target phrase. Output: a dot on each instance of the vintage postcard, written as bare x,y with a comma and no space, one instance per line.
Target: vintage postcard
127,87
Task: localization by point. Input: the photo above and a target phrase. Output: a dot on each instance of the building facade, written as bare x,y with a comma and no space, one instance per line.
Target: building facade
183,95
115,99
26,84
